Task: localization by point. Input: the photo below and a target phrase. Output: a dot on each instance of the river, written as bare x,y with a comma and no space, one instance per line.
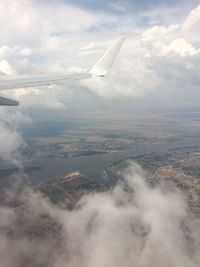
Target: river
94,166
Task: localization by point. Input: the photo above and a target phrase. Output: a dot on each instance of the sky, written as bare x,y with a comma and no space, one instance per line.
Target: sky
157,66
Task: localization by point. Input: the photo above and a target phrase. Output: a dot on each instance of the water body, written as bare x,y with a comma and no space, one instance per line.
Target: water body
93,167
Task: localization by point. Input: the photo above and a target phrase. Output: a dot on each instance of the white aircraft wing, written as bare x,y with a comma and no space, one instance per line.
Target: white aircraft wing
100,69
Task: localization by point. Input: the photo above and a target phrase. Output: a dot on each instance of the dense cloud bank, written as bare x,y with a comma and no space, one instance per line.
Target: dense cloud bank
160,56
132,225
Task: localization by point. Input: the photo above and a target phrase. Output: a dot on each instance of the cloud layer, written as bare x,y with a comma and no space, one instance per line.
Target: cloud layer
134,224
44,37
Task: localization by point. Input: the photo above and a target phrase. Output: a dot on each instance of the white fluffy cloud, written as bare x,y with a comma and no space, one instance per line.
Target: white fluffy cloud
45,37
191,25
160,57
11,140
181,47
131,225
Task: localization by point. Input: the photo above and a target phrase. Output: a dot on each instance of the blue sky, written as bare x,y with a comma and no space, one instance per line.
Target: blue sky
129,5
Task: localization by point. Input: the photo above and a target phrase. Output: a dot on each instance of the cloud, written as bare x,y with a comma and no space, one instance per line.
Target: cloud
133,224
6,68
45,98
157,58
181,47
11,139
46,38
190,26
126,81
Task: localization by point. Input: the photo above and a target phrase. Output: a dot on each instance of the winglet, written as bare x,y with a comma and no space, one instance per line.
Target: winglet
105,63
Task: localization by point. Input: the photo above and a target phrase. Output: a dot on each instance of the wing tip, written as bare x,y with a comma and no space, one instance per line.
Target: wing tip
103,66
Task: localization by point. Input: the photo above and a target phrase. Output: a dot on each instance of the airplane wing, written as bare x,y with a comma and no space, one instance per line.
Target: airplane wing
100,69
4,101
